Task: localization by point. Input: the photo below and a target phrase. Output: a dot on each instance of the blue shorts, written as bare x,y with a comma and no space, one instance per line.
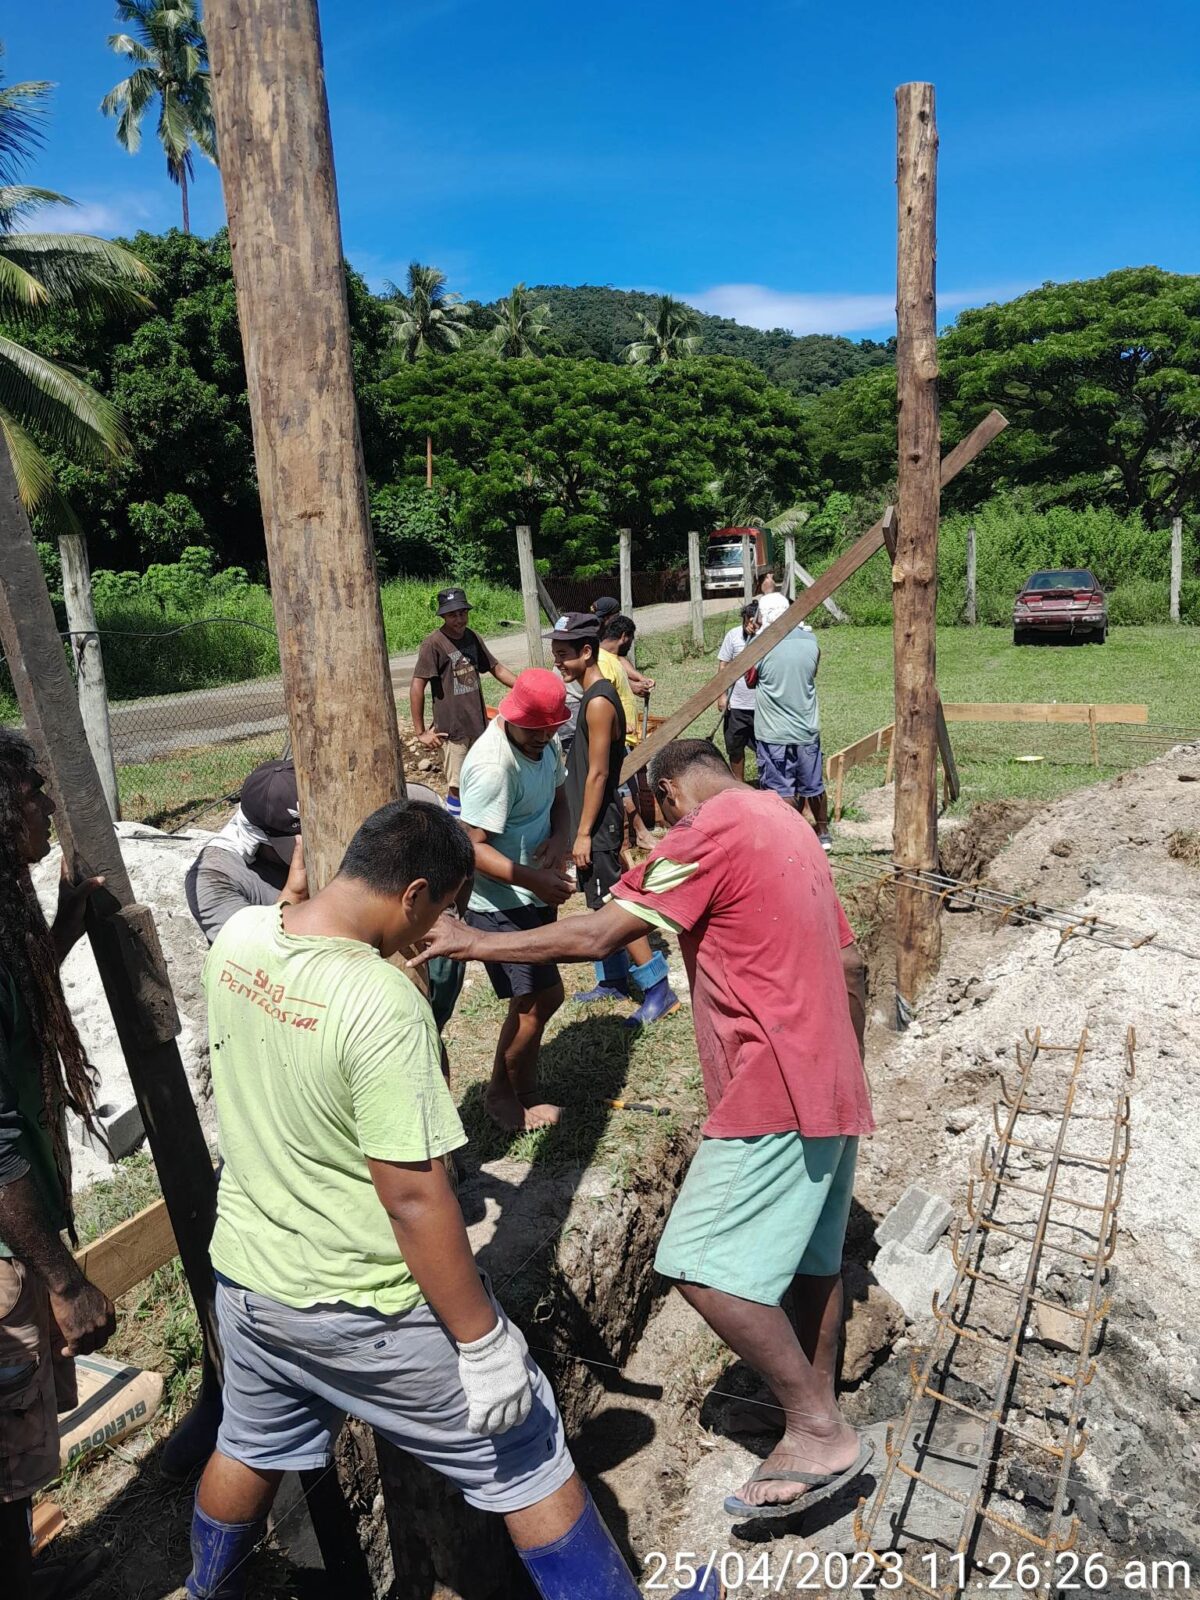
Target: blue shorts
791,770
752,1213
292,1375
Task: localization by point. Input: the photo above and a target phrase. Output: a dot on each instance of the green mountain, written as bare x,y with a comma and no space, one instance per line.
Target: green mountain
596,322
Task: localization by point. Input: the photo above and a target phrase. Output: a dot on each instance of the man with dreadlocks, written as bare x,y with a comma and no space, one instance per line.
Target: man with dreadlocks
49,1312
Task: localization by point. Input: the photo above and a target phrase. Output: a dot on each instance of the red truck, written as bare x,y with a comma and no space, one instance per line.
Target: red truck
723,559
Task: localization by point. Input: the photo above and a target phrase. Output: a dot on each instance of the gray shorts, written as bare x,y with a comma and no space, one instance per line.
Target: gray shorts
292,1375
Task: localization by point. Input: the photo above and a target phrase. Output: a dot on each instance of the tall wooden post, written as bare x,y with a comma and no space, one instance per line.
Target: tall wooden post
625,535
747,571
1176,565
89,664
429,461
530,597
971,575
914,571
789,566
696,589
281,200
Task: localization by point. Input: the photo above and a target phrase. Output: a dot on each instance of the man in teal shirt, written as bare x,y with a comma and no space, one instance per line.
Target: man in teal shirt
787,720
514,808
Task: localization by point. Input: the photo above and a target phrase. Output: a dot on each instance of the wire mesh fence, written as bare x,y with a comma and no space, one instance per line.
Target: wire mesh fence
649,588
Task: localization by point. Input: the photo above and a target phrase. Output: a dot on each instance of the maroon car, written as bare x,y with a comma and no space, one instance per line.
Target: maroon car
1067,602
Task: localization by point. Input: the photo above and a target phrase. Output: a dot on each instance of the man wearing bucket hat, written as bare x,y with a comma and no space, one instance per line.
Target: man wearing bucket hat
514,808
451,660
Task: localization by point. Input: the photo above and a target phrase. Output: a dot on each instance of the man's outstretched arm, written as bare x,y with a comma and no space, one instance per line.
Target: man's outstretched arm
587,938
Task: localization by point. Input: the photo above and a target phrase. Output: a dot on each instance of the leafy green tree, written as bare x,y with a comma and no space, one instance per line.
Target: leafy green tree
44,407
669,333
426,318
577,449
169,53
520,326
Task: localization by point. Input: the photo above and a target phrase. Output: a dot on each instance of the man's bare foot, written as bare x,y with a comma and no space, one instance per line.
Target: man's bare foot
830,1452
514,1117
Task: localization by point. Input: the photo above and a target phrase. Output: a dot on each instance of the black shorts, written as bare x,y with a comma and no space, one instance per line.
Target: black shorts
597,882
512,978
739,733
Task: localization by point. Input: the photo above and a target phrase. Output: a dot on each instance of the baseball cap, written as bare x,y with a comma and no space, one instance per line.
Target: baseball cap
606,606
536,700
771,607
577,627
268,801
452,600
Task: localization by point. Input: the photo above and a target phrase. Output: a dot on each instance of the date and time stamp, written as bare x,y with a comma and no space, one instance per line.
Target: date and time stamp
819,1572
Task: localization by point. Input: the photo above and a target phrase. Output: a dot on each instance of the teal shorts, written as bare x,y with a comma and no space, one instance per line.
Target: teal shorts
752,1213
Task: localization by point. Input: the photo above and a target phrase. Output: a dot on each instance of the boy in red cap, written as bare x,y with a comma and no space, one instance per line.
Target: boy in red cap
514,808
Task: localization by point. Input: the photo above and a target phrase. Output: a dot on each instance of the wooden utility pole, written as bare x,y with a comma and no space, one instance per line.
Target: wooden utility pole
747,571
789,566
89,664
429,461
971,575
696,589
530,597
914,571
281,201
1176,565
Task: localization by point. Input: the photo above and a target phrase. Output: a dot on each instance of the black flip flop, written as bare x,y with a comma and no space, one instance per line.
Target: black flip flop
820,1486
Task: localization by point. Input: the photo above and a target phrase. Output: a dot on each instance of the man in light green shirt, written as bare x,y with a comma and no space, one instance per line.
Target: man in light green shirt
514,808
346,1282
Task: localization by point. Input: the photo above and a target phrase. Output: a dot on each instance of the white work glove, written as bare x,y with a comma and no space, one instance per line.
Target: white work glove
493,1373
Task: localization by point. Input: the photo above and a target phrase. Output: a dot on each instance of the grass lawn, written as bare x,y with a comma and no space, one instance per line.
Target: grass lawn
1158,666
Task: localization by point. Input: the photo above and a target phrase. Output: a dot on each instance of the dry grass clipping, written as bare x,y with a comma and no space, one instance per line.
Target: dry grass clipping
1184,845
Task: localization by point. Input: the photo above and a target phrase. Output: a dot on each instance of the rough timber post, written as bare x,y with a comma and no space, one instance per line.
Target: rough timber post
89,664
914,571
696,589
748,565
1176,565
281,201
530,596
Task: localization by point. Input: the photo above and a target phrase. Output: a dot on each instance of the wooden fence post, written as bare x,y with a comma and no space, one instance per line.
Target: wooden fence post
971,575
1176,565
914,570
789,566
626,537
696,589
529,596
747,571
89,664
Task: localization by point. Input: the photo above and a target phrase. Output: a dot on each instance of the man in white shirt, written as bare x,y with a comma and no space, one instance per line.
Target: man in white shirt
737,705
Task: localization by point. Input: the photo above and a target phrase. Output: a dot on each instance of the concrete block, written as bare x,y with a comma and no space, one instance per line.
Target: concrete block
121,1125
912,1277
918,1219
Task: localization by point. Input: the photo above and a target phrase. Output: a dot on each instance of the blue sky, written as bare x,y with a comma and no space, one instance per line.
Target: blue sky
739,153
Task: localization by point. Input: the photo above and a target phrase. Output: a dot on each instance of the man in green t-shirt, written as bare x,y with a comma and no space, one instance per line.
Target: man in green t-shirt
49,1312
345,1280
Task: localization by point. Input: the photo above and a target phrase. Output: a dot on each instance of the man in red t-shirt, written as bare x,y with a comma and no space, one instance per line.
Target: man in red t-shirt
778,1002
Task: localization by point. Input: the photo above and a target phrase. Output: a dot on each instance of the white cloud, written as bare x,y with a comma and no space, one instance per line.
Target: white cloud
123,215
760,307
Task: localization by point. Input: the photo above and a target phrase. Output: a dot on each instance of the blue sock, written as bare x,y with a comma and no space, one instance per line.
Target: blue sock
650,972
454,805
220,1556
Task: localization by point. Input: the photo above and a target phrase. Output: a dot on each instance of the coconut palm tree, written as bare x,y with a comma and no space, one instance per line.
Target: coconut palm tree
43,405
426,318
673,331
520,327
170,56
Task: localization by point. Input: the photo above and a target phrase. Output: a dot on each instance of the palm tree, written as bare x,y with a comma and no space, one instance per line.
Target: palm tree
43,404
520,327
170,56
673,331
426,318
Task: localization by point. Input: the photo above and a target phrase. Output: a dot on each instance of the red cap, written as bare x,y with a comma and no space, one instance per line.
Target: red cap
538,699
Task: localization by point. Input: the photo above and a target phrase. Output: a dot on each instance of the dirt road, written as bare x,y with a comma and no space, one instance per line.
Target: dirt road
146,730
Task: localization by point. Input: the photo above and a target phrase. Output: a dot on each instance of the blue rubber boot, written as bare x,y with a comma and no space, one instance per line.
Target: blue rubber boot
612,980
658,998
585,1564
453,805
221,1554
